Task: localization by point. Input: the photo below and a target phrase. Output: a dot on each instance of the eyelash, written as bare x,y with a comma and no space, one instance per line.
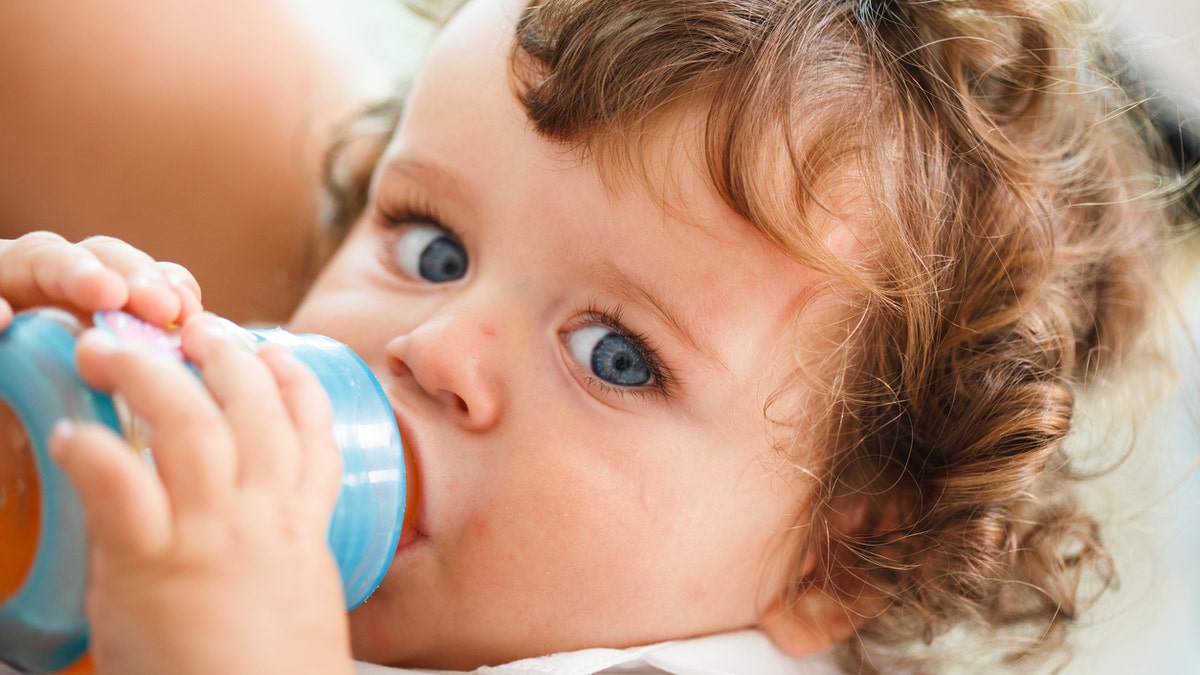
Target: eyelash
610,318
409,211
404,213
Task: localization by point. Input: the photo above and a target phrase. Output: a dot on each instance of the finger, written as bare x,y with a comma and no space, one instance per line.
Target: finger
125,509
311,414
152,296
180,279
43,268
191,441
247,394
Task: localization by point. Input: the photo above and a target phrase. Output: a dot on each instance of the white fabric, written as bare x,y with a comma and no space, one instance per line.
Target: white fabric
740,653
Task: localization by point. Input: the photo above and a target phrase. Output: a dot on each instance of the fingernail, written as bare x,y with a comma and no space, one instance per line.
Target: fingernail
274,350
173,276
139,280
86,265
213,325
63,428
224,329
100,340
62,431
176,277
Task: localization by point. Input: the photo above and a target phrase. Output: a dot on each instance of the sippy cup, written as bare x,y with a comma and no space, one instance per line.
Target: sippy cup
42,552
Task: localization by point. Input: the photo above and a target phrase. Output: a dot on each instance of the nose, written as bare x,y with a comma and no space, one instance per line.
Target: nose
453,363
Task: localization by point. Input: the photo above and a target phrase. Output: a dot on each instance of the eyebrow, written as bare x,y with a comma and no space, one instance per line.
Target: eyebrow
617,282
429,174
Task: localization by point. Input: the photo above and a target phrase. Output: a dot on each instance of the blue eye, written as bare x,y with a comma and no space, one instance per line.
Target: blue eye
610,356
430,253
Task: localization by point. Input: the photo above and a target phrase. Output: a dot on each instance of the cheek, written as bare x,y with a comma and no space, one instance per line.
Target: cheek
564,506
676,518
566,517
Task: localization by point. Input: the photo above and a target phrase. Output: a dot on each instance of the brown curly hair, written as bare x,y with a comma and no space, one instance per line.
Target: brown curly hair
1016,199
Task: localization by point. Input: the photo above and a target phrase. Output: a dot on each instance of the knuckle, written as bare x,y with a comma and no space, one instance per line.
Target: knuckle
101,240
37,242
114,250
175,269
42,237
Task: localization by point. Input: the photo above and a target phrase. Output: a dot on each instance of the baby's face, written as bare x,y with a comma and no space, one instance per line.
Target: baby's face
579,373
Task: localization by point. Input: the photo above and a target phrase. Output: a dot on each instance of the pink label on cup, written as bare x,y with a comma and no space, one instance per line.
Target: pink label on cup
130,330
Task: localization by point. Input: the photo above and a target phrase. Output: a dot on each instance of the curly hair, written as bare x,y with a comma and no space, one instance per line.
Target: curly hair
1016,202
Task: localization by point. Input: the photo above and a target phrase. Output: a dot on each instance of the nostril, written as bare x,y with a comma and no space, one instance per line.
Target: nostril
397,365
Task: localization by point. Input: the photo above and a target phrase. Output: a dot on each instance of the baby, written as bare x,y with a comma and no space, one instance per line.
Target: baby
696,318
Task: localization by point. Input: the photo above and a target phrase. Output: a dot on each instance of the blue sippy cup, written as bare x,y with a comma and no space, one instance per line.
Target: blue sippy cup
42,552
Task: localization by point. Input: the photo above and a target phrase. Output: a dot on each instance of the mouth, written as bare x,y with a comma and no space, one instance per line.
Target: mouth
411,530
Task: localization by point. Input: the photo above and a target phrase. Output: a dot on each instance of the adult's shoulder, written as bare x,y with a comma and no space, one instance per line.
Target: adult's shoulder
192,129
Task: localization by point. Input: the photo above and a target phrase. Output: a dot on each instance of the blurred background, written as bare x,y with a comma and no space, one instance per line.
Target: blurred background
1151,623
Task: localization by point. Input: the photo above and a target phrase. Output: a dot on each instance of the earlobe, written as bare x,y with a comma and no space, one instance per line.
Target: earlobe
827,605
836,594
811,623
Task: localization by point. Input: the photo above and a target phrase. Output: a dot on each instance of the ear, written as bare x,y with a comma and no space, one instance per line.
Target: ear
832,599
812,623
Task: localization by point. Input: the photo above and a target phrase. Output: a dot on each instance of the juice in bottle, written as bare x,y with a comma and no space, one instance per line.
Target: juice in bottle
20,503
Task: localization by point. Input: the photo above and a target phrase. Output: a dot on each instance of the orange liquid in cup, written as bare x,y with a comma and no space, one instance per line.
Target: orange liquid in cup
81,667
20,513
20,503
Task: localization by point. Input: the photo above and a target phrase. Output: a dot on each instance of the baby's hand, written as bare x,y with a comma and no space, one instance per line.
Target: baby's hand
99,273
216,559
